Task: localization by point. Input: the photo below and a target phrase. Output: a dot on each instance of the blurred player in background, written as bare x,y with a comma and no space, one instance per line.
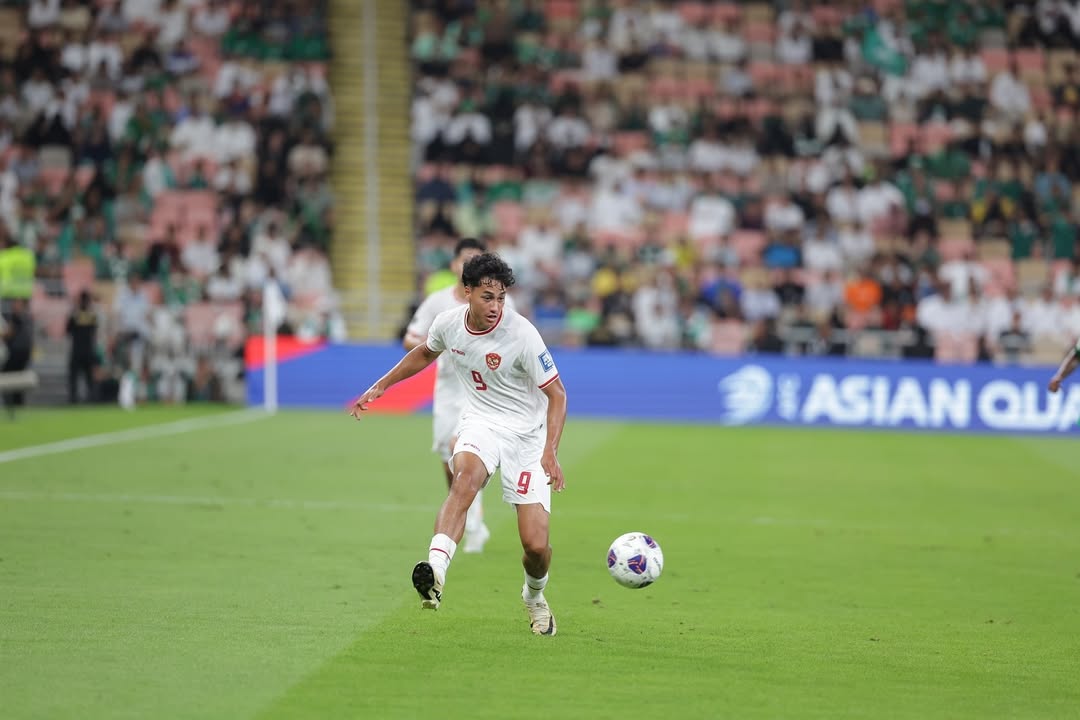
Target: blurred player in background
515,409
449,401
1068,365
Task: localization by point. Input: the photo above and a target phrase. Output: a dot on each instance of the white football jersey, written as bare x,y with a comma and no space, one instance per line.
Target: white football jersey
448,391
502,369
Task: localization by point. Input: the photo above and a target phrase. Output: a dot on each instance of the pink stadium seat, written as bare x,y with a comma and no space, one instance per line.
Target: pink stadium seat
900,135
693,12
562,10
509,218
200,320
955,347
625,143
728,337
697,88
748,245
563,79
611,238
722,12
1041,99
759,32
1001,270
954,248
674,225
78,275
50,314
936,136
1030,59
764,73
944,191
995,60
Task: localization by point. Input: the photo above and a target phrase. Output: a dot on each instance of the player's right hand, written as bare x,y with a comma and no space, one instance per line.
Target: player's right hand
1055,384
372,393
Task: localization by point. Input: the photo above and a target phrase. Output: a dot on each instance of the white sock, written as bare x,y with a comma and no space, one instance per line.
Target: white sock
440,553
474,518
534,587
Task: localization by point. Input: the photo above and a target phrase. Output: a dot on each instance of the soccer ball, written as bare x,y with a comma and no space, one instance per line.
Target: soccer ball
635,560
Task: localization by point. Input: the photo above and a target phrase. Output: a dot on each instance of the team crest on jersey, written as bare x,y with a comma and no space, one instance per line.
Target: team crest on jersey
493,361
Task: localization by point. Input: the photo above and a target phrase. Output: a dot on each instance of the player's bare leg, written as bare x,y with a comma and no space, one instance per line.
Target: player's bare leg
429,577
534,526
476,532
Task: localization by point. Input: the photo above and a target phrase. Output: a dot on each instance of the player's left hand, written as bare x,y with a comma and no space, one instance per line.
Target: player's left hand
551,466
372,393
1055,384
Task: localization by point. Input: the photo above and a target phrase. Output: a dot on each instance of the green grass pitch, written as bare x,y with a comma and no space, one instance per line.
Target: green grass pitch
262,570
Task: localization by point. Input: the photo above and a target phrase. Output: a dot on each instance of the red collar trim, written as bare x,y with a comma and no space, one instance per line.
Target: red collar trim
465,319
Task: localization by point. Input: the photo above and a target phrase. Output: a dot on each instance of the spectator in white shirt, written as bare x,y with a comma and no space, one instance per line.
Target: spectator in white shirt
824,296
794,47
940,313
1008,94
195,135
707,153
783,216
711,215
271,244
726,42
212,19
568,129
613,209
599,62
842,201
42,13
820,250
961,274
966,68
200,254
542,243
1043,316
308,157
856,244
235,138
104,51
172,23
930,71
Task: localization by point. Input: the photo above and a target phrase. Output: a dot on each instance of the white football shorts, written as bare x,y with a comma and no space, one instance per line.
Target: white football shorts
523,478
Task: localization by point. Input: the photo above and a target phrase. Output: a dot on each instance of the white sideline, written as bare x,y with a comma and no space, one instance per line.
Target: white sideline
209,501
143,433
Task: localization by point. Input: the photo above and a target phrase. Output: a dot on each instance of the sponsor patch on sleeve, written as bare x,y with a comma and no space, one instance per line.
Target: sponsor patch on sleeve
545,361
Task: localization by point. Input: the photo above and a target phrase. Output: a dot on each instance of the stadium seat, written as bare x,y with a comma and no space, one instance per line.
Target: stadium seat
727,338
951,347
78,275
1032,274
203,321
50,315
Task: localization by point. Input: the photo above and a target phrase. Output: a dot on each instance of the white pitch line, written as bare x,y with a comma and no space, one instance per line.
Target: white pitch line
143,433
203,501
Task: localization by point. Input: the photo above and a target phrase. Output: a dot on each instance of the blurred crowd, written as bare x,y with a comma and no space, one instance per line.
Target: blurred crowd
896,177
165,161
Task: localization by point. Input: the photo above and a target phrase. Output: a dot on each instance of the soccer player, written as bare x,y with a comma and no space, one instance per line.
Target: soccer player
515,408
449,401
1068,365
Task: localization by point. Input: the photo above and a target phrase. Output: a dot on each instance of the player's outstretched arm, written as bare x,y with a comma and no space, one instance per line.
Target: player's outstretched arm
414,361
1070,363
556,419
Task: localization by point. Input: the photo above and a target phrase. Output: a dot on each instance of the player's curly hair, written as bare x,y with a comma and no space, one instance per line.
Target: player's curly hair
489,266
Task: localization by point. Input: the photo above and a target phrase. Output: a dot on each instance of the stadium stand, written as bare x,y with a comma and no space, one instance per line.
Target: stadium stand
863,178
169,156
